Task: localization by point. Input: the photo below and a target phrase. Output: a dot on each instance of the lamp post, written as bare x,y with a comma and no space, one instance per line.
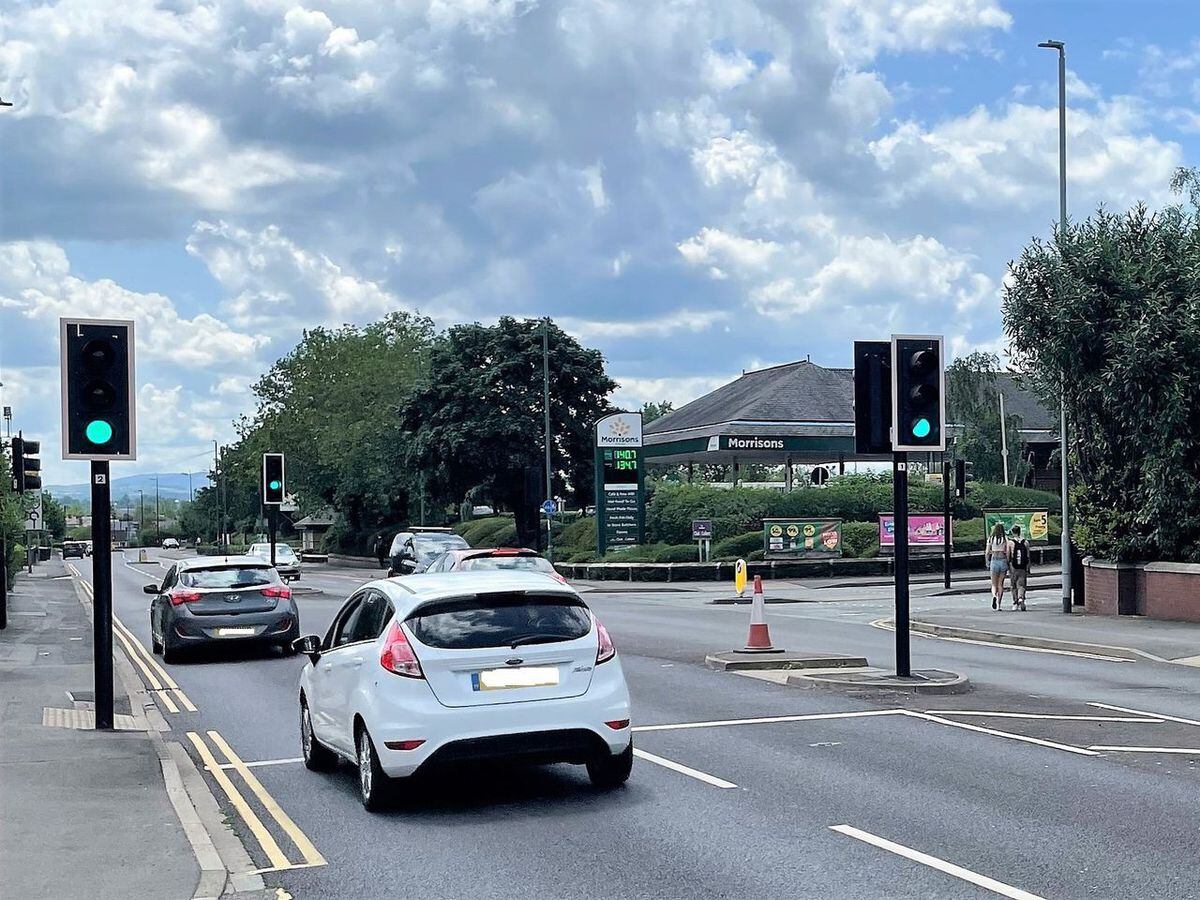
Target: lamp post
1062,224
546,409
157,518
141,513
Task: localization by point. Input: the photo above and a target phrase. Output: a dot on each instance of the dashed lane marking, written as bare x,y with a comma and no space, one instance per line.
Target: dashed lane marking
983,881
1055,718
683,770
1004,734
770,720
1140,712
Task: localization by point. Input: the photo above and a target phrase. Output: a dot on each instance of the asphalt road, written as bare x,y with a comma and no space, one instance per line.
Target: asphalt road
962,798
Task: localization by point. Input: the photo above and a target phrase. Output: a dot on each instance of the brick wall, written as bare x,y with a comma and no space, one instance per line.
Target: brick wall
1158,590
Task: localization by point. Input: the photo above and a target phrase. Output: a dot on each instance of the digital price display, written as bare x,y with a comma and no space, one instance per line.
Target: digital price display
621,466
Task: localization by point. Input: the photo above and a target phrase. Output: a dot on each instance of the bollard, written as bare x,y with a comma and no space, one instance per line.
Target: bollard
739,577
142,557
759,640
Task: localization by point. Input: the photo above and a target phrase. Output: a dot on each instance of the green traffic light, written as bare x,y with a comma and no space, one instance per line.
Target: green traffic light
98,431
275,485
921,428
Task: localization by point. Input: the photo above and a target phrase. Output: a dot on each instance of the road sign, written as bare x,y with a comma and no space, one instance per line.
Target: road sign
548,507
819,475
702,529
33,512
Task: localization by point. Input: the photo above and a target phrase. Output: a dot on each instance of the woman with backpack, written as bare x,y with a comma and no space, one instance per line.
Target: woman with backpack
1019,564
995,555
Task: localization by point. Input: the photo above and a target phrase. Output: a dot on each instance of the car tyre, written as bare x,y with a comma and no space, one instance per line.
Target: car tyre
155,644
375,788
317,757
612,769
171,654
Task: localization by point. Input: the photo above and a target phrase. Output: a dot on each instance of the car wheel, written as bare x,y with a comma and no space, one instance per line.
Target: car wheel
155,644
317,757
375,787
170,654
612,769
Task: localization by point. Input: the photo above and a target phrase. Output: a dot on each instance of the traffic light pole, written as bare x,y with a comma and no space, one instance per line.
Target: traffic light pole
946,472
3,581
272,527
900,505
102,642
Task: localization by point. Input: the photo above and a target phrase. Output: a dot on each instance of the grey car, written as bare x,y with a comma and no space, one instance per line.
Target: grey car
221,599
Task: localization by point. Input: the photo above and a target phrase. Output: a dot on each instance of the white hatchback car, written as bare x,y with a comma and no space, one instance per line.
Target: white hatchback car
428,670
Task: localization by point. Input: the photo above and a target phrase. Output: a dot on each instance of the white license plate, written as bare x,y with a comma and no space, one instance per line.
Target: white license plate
528,676
236,632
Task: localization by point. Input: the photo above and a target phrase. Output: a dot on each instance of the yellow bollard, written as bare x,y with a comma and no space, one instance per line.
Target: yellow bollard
143,557
739,577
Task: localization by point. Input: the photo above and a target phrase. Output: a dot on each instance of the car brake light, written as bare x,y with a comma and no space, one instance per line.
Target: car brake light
180,597
618,724
558,578
278,591
397,654
507,551
605,649
403,745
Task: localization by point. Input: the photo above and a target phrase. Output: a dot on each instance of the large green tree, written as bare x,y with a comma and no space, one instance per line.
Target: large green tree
477,420
973,401
1108,311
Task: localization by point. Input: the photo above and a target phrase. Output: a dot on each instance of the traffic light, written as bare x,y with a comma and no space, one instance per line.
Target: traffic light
273,486
962,475
98,391
26,467
872,397
918,393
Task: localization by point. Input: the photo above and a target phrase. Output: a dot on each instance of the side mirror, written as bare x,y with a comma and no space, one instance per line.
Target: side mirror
309,645
150,589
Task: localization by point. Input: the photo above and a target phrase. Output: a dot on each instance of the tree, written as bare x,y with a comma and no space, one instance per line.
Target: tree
1108,312
477,419
973,401
54,516
652,411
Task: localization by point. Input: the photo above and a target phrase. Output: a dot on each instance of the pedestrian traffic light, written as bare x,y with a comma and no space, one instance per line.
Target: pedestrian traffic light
273,487
98,392
962,475
872,397
918,393
26,467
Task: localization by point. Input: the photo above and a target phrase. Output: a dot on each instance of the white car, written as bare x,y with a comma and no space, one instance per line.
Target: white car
428,670
170,544
287,564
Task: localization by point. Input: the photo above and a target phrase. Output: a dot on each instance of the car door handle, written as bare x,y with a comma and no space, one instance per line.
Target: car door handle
358,661
328,667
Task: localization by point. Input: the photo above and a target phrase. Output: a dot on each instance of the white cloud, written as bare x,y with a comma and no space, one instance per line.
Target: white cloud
720,250
861,29
724,71
681,321
632,392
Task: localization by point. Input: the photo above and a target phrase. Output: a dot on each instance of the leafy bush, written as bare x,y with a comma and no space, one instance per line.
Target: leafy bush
983,495
579,535
501,534
859,538
738,547
677,553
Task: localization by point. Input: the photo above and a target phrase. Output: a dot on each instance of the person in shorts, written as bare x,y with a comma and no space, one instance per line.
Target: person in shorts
1018,567
995,556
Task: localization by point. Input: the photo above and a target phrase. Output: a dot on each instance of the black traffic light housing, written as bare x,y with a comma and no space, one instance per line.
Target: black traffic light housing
99,408
26,467
918,393
872,397
962,474
274,486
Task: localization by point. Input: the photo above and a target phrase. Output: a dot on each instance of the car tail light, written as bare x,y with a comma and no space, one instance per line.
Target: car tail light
403,745
507,551
278,591
618,724
605,650
178,598
397,655
558,578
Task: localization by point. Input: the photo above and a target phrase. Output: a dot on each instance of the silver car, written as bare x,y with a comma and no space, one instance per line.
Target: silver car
287,564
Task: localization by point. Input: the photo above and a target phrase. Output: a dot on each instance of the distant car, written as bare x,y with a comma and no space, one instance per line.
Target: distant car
73,548
87,547
217,599
287,564
170,544
521,558
441,669
412,551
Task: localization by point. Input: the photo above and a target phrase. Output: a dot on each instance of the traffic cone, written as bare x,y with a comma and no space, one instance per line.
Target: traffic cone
760,637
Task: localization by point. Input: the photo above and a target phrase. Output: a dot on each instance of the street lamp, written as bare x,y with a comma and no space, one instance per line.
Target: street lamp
157,518
141,513
1062,224
546,410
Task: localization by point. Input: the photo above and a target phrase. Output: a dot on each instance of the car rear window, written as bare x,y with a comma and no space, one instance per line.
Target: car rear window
228,577
497,620
526,563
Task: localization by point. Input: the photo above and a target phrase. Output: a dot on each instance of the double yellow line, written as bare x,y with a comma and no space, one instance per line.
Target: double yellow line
274,853
160,682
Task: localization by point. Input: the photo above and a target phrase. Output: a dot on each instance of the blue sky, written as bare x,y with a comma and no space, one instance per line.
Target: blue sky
696,187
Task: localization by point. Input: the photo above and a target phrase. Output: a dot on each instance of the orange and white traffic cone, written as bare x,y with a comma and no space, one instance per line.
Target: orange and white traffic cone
759,640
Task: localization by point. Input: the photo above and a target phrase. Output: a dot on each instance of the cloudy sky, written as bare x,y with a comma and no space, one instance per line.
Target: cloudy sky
696,187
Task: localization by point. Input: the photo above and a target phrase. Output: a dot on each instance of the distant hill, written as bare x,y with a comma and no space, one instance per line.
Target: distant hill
171,486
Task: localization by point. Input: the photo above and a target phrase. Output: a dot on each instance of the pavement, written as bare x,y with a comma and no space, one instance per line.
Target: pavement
1063,774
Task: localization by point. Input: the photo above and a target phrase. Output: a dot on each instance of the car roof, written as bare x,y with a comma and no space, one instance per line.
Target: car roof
411,591
211,562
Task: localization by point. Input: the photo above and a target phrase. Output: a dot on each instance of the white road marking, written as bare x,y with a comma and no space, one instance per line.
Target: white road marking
1140,712
991,884
1186,751
261,762
1004,734
1056,718
770,720
683,770
880,624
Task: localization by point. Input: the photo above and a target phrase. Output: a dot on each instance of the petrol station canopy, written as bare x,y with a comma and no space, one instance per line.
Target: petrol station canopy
799,412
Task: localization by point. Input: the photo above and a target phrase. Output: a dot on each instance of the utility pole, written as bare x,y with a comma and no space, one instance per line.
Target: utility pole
216,494
948,546
1062,224
141,513
157,517
546,410
1003,439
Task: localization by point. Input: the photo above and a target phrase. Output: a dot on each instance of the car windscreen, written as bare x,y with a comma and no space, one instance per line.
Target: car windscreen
524,563
500,620
228,577
430,545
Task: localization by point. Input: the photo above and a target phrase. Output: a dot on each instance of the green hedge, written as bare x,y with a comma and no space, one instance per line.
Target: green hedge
739,546
860,539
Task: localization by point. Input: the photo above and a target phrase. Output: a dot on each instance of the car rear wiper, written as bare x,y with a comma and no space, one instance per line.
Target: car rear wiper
536,639
245,584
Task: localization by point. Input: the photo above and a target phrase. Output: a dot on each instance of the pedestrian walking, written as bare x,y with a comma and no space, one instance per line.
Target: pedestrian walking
1018,562
995,555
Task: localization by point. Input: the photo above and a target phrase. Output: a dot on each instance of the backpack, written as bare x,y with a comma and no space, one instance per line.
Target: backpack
1020,558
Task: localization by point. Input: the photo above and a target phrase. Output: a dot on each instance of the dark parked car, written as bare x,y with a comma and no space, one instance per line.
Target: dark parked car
520,558
74,548
413,550
213,600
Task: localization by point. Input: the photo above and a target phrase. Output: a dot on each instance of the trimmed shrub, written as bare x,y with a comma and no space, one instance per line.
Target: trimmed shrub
983,495
504,534
580,535
859,537
673,553
739,547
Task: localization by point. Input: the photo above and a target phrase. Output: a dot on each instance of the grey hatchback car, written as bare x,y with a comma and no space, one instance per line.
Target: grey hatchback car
218,599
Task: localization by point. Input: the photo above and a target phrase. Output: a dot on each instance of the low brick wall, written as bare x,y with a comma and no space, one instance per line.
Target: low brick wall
1158,590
